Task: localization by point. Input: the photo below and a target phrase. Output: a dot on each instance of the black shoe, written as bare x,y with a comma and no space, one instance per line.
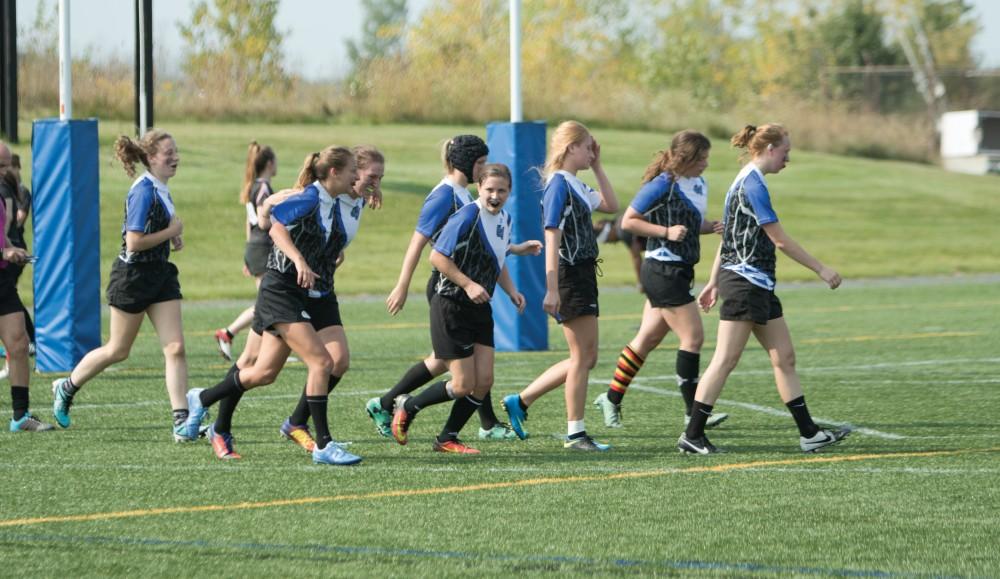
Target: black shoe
699,445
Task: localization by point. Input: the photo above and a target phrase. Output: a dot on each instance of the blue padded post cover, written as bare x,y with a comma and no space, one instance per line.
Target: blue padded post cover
66,209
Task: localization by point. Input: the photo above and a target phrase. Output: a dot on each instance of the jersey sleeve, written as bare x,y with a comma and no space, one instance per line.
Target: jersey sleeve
554,201
294,207
137,205
649,194
435,211
760,199
457,227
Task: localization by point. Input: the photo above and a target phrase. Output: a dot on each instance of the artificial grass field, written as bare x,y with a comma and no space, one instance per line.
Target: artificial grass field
913,364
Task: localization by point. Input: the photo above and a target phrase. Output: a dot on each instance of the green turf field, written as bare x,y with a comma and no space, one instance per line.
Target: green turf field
914,365
864,218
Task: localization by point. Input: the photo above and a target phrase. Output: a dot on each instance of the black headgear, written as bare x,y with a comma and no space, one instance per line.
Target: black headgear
463,151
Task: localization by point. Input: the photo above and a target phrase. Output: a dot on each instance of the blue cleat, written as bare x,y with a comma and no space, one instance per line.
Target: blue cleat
61,402
512,404
336,455
29,423
191,430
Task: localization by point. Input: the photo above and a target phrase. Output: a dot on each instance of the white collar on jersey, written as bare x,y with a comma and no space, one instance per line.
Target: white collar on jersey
161,190
458,188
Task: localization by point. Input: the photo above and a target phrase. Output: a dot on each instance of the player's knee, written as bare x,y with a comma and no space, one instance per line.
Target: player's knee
783,359
341,366
174,349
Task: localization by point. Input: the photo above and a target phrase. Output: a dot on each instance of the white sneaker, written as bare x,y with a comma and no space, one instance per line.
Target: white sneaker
823,438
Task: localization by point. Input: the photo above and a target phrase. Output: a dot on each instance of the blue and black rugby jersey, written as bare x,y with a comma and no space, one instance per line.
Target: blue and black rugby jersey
667,201
567,204
321,227
259,191
746,248
148,209
442,202
477,242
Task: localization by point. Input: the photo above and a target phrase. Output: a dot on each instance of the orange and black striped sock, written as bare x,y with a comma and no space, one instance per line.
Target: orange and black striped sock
629,364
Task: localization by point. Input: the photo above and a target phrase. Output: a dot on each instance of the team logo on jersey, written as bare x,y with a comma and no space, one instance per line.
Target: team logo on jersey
500,230
698,189
356,212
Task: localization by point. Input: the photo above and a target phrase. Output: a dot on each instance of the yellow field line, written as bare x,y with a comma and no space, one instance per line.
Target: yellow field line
479,487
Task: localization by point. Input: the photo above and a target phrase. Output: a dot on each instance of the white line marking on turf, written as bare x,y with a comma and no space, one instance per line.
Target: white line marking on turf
772,411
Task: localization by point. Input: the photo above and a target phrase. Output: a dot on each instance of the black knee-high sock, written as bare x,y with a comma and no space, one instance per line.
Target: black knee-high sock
687,376
317,408
19,401
226,387
227,406
699,416
415,377
300,416
487,417
436,393
800,412
461,412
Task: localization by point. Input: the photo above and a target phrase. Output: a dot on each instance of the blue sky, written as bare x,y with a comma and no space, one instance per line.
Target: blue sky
313,27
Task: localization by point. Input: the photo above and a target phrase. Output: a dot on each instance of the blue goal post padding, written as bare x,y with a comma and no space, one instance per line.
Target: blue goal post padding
67,241
521,146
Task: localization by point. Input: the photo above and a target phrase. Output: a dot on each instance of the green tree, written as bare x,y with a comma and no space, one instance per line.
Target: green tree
234,47
381,33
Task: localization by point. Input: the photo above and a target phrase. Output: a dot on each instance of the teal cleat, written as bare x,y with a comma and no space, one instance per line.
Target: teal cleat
61,402
29,423
512,404
500,431
380,416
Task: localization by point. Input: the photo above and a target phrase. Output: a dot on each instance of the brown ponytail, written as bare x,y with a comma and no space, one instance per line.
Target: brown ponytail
317,165
756,139
686,149
257,159
130,152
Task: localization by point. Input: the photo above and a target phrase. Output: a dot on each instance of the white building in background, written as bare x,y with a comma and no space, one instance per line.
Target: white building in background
970,142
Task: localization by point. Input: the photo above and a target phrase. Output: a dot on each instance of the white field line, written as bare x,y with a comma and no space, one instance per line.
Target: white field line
773,412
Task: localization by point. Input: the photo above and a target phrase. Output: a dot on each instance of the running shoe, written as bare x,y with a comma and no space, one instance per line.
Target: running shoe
196,414
299,435
612,412
61,403
453,446
511,403
699,445
500,431
714,420
222,444
823,438
381,417
334,454
585,442
401,419
29,423
225,344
